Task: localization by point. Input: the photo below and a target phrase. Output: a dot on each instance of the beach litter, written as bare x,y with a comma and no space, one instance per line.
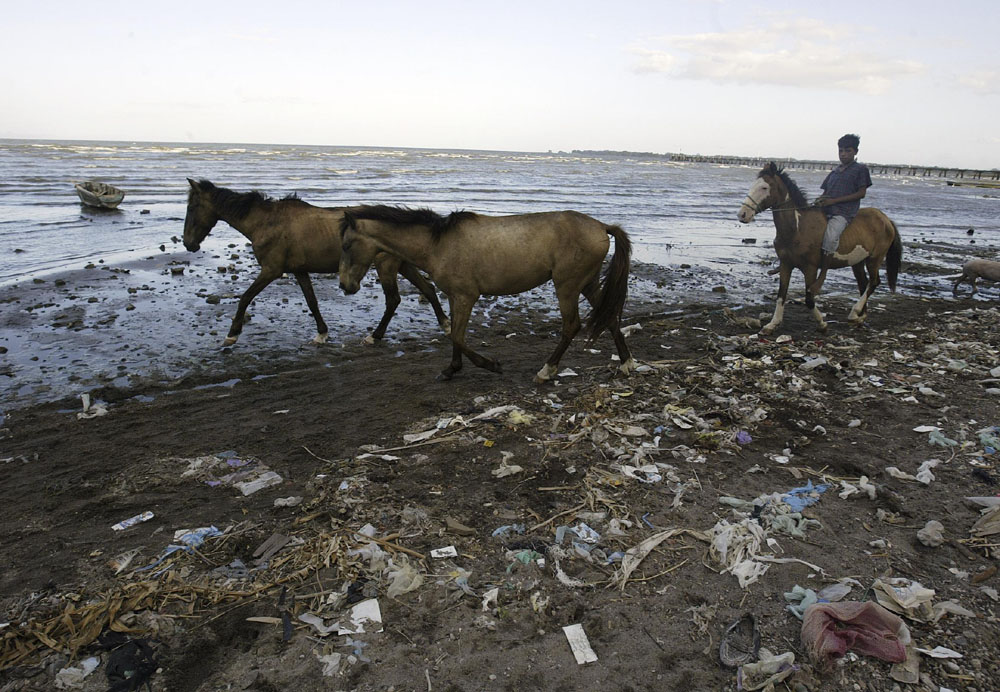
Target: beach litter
92,409
246,474
132,521
830,630
72,677
740,642
768,671
579,644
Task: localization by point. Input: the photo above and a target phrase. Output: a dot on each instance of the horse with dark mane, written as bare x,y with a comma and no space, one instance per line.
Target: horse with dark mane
290,235
468,255
868,240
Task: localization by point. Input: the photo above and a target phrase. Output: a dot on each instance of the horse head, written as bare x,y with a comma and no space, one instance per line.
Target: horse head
357,252
201,216
766,192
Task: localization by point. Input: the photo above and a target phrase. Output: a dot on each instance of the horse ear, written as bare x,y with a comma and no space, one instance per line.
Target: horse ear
193,183
347,221
772,168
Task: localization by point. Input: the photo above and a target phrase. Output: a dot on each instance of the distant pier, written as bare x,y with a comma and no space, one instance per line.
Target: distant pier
875,168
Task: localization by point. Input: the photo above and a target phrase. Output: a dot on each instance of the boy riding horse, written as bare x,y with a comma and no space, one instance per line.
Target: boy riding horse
843,190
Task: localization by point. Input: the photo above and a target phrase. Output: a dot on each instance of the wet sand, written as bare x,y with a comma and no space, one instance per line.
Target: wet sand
152,321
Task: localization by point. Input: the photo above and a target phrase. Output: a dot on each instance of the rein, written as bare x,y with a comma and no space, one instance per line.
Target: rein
757,209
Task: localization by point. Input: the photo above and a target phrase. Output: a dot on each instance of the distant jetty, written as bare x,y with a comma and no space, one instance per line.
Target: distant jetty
969,174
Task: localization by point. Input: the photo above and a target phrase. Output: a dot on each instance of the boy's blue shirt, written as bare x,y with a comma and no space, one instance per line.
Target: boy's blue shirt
839,183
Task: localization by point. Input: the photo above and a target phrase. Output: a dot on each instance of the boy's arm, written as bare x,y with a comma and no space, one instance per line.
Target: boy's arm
827,201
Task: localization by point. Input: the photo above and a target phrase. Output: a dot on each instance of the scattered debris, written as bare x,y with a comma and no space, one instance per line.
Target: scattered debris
579,644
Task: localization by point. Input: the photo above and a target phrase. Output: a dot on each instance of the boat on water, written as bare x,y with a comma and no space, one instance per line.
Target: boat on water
975,183
101,195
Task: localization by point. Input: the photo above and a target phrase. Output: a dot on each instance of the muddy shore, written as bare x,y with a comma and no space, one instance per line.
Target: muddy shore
333,422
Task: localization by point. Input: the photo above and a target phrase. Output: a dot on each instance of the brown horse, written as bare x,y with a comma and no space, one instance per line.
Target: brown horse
290,235
868,240
469,255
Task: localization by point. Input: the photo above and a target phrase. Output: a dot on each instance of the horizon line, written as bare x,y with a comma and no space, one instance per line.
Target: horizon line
620,152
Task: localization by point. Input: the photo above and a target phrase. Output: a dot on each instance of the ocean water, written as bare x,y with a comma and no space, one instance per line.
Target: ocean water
677,213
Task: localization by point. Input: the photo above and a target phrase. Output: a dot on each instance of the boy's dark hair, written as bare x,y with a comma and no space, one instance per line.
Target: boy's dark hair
849,141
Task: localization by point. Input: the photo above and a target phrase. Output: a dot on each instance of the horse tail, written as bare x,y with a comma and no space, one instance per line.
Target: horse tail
614,286
894,257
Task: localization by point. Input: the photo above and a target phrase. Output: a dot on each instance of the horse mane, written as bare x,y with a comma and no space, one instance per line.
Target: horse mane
406,216
798,197
237,205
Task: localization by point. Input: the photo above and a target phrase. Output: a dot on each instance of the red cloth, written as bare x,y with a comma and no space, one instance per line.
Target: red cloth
829,630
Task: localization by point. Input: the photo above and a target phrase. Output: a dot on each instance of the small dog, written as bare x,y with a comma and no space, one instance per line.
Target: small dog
975,269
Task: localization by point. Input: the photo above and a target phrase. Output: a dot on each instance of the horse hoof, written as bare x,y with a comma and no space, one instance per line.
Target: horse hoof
628,367
766,331
444,376
230,340
822,328
320,338
368,340
545,374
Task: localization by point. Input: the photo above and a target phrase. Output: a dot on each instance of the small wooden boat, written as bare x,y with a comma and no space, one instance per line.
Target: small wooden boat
975,183
102,195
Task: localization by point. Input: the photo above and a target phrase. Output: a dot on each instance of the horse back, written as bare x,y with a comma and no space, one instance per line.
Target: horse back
511,254
300,237
543,234
872,229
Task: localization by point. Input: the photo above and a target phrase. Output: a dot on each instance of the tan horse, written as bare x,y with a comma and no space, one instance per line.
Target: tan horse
868,240
468,255
290,235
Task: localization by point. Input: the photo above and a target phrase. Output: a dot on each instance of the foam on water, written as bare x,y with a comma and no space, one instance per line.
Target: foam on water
675,212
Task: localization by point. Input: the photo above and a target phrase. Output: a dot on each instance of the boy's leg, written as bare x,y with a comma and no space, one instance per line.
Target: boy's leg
835,226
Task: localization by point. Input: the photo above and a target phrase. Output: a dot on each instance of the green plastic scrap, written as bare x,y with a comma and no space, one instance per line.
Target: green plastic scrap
936,438
793,524
799,599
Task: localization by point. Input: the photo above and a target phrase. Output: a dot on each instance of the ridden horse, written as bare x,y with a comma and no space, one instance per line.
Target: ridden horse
289,235
870,238
468,255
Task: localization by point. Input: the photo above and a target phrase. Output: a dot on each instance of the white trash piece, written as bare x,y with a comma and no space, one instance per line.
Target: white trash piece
579,643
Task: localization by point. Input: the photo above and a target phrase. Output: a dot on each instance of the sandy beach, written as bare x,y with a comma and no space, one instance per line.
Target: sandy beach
365,436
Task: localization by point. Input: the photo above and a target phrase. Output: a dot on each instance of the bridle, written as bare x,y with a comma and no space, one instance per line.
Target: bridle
754,207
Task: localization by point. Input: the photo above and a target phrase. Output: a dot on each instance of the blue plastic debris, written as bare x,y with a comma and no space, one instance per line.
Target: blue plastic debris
801,497
582,538
508,530
190,540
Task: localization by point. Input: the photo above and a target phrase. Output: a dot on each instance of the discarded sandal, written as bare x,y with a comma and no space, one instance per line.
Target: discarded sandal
740,642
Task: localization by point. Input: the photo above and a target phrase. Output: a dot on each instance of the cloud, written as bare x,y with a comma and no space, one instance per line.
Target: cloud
786,52
981,81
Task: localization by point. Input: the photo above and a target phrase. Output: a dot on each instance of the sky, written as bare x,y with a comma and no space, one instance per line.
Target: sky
918,81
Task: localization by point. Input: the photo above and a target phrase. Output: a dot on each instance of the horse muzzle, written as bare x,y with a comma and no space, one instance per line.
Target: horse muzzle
745,214
349,289
192,247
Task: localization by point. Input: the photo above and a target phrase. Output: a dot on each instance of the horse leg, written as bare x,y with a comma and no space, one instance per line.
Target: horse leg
809,273
413,275
785,276
861,306
860,310
259,284
590,292
305,283
386,270
860,276
569,308
461,309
